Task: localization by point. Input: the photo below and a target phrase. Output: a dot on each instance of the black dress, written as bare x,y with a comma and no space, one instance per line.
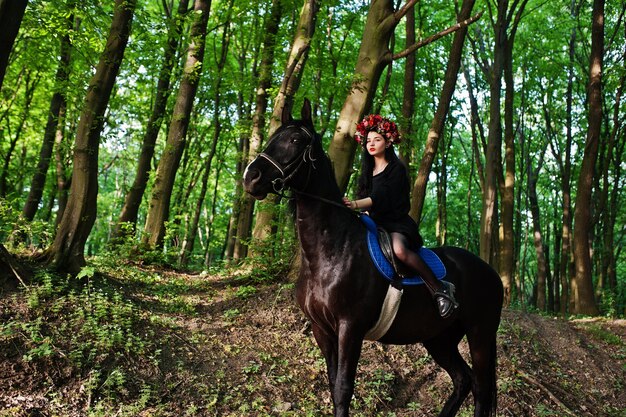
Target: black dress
391,203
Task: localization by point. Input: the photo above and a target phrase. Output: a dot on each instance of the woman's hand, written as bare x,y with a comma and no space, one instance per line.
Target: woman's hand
349,203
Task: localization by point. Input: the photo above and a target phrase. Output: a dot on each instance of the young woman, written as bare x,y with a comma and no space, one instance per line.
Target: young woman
383,191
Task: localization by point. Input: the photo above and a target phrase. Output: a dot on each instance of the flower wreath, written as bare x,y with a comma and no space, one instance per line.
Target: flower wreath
377,123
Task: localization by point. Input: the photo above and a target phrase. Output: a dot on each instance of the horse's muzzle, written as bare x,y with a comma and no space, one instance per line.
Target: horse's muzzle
252,183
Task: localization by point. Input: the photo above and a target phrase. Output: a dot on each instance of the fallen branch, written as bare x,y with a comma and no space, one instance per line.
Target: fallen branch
542,387
14,267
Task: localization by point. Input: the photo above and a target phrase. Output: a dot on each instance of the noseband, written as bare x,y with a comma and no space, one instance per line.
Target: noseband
288,171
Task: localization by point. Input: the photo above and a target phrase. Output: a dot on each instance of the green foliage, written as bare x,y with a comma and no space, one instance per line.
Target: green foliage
541,86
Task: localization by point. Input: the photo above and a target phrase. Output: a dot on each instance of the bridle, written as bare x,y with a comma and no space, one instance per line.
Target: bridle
288,171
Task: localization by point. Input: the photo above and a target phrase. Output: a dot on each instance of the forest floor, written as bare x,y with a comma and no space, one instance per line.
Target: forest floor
141,341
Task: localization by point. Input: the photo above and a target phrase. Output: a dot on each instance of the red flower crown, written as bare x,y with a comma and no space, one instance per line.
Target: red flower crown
381,125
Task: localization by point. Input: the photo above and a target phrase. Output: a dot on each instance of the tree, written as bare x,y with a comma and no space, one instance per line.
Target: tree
257,136
374,55
582,288
11,14
284,99
67,251
436,127
57,103
133,198
190,236
159,206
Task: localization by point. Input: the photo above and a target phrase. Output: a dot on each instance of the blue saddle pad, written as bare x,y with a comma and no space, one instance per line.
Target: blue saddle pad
385,267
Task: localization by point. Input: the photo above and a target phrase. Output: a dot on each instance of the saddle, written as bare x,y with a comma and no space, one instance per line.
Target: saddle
381,252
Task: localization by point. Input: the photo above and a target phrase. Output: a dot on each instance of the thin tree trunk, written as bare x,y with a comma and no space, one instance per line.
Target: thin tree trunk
408,92
11,14
583,283
29,91
133,198
244,225
57,102
566,263
507,240
159,207
192,230
266,214
493,158
443,106
542,268
62,182
67,250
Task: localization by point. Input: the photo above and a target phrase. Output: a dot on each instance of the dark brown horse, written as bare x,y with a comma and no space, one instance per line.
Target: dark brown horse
341,292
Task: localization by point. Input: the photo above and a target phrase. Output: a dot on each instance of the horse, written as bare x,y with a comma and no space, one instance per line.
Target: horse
341,292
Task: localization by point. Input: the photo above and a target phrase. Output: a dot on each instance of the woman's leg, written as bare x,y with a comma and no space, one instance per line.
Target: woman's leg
442,291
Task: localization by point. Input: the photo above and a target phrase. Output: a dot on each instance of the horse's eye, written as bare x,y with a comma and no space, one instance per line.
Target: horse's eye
295,139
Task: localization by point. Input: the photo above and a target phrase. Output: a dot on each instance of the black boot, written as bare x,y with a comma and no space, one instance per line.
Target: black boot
442,291
444,297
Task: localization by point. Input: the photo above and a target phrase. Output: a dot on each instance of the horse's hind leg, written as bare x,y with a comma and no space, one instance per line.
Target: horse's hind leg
444,350
483,351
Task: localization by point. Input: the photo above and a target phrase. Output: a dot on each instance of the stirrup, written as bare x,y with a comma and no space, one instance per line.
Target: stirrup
445,299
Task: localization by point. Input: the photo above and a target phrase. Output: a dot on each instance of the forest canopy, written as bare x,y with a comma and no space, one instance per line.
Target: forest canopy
125,128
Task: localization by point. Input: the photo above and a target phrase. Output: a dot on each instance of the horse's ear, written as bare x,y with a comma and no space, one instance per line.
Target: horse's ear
306,112
285,116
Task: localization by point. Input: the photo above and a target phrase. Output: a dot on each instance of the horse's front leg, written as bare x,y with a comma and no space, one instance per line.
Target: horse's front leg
327,343
350,345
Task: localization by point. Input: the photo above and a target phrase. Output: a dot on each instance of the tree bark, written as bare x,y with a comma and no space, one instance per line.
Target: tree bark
133,198
57,103
542,268
493,158
436,126
67,250
29,91
192,230
374,55
11,14
271,26
159,206
566,263
582,289
408,92
296,62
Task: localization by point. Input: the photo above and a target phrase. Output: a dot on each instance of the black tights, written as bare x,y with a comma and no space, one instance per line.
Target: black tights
401,249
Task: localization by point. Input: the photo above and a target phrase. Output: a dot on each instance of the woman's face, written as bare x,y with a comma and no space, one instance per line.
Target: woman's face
375,144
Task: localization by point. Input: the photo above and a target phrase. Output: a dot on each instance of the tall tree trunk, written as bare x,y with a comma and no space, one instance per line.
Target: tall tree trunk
582,289
436,126
542,268
493,158
192,230
57,102
11,14
62,182
408,92
507,241
29,91
296,62
67,250
566,263
159,207
271,26
133,198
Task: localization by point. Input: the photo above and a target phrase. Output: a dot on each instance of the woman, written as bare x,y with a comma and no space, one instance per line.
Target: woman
383,191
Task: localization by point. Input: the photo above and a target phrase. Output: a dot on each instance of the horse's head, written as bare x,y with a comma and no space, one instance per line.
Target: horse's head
283,161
